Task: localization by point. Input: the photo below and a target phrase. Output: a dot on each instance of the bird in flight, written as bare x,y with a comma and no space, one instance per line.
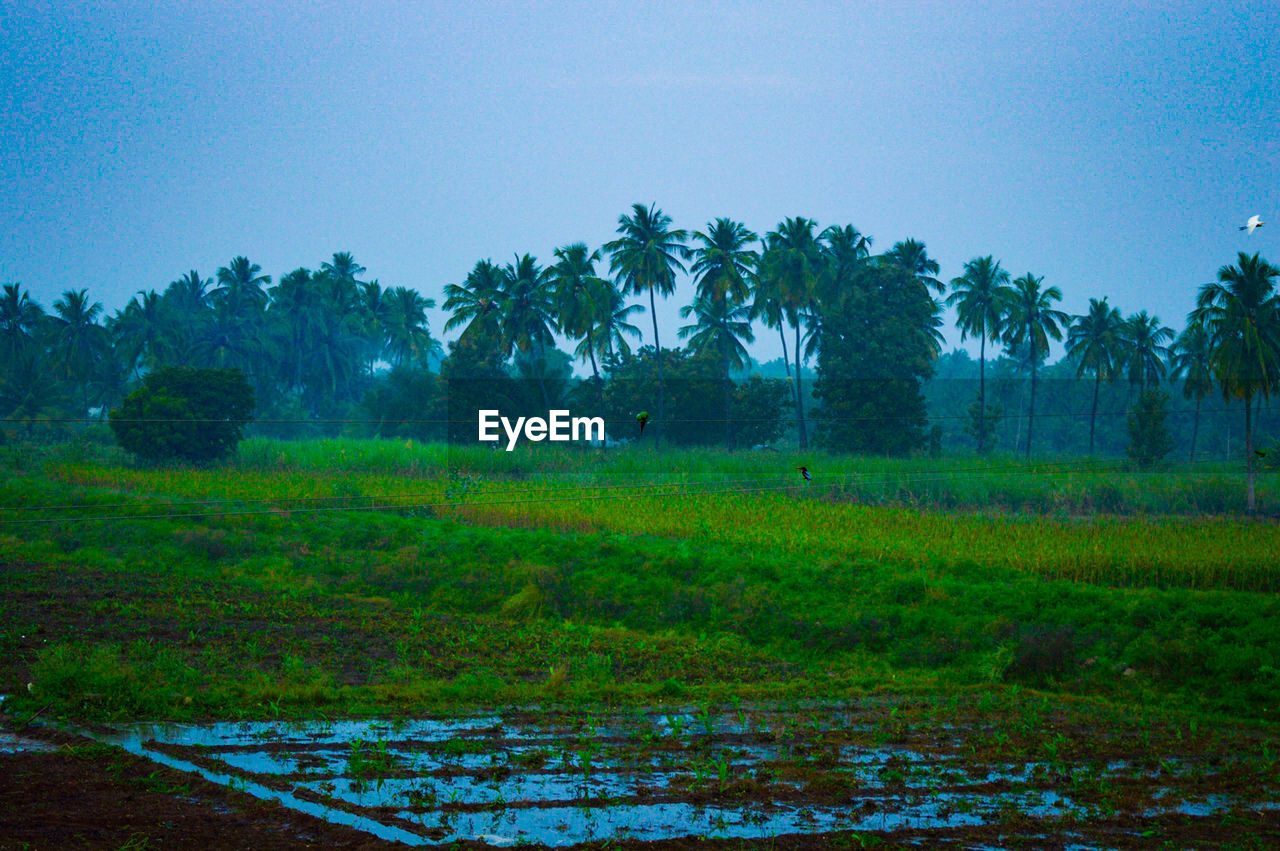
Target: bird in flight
1253,223
642,418
804,473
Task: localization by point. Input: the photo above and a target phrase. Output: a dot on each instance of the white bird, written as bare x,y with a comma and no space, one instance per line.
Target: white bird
1254,222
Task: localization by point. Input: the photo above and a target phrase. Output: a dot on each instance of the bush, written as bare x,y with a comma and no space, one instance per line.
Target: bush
1149,439
184,414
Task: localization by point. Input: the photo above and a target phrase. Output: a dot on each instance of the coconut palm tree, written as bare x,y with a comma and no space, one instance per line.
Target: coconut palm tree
1191,362
721,327
476,304
528,314
141,332
20,319
77,340
240,287
1145,350
1241,313
645,258
982,299
1096,342
408,335
793,261
609,330
578,295
186,305
1032,322
766,305
912,256
722,263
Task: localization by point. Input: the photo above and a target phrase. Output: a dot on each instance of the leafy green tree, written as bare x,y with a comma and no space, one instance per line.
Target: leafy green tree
1191,360
1033,321
876,353
1096,342
1241,313
140,333
645,258
184,414
1149,439
792,262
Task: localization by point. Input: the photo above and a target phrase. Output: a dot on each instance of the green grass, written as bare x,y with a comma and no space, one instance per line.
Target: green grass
355,577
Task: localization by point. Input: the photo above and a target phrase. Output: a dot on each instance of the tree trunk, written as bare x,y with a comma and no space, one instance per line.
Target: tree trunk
1031,413
982,396
1093,414
804,435
1248,450
1195,430
728,389
786,360
657,351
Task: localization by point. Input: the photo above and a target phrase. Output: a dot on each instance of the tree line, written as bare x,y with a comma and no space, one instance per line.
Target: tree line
324,344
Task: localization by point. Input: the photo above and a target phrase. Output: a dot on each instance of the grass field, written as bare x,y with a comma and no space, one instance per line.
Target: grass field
368,578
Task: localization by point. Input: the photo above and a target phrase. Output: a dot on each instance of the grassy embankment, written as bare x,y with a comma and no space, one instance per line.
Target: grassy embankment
351,577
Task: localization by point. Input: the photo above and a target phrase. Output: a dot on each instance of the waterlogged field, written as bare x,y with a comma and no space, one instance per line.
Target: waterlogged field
1067,647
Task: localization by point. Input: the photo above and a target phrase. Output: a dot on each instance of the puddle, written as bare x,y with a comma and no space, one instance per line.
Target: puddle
559,779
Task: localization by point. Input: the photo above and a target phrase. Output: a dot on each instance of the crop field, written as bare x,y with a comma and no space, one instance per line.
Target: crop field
360,642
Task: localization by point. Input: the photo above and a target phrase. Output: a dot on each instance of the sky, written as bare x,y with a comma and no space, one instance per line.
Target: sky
1112,148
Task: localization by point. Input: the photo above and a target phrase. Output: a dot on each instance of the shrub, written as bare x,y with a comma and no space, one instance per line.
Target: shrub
184,414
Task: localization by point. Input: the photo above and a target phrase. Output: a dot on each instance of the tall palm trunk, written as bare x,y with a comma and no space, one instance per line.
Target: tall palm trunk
804,436
657,350
1093,414
982,396
1195,430
786,359
1031,412
728,386
1248,450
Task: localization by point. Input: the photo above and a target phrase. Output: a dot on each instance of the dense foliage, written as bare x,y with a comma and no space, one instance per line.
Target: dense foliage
184,414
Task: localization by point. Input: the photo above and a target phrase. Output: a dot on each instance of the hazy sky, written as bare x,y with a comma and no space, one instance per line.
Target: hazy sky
1112,148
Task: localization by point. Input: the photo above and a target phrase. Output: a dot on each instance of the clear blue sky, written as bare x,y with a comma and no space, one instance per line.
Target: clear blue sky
1112,148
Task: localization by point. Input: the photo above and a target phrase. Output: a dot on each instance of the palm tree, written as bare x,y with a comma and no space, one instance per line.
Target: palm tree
1191,361
1095,341
982,299
793,261
645,257
578,295
1144,340
721,327
722,263
1032,321
528,314
766,305
141,331
20,319
911,255
78,341
296,320
1241,313
240,286
476,303
408,337
187,309
609,330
